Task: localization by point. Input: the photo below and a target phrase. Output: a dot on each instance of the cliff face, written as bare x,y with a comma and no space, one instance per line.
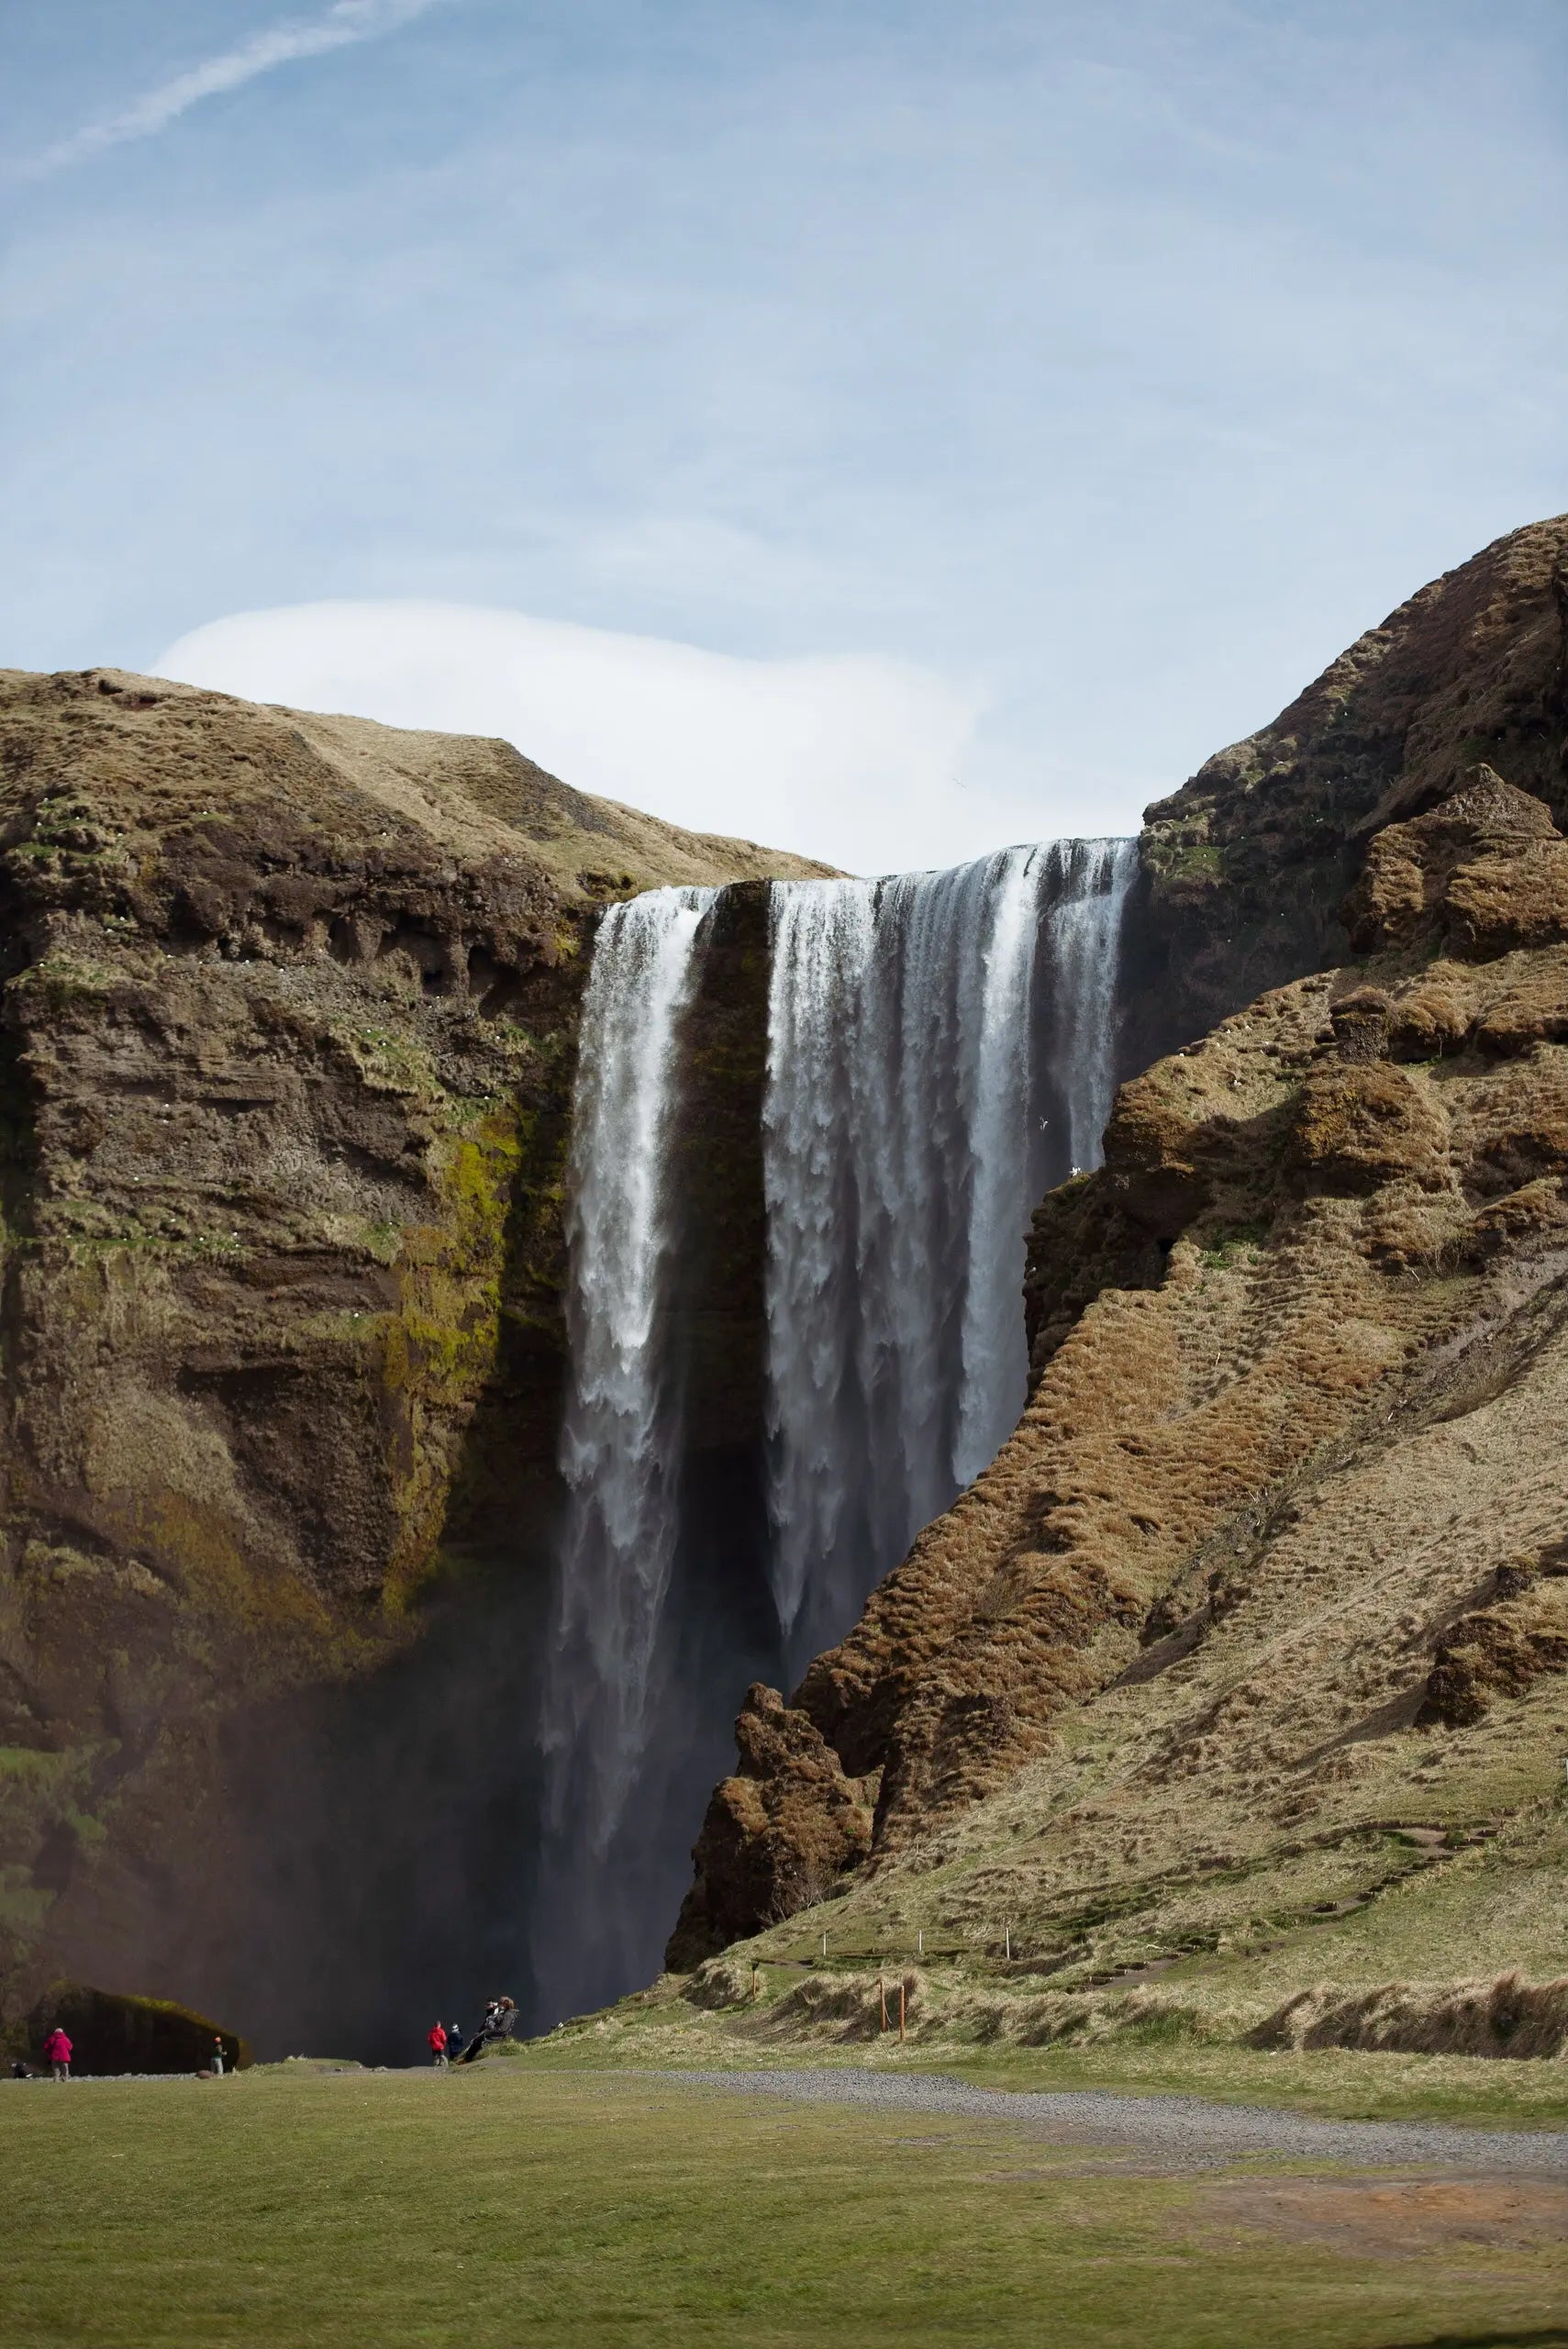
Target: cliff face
1324,1236
286,1048
1245,869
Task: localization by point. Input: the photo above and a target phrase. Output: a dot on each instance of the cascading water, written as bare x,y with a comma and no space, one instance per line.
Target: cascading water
940,1051
619,1450
1085,936
919,1029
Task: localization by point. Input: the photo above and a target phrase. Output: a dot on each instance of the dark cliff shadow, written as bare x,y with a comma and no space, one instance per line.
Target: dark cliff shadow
386,1831
387,1864
386,1828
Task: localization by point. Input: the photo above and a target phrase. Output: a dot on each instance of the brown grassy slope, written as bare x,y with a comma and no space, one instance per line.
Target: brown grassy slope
1274,1553
286,1040
150,753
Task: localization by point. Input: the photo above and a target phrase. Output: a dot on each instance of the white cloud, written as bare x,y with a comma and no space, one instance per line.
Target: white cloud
853,760
344,24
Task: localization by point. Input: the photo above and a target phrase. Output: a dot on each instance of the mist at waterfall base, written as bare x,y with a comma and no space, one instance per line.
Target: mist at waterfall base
941,1052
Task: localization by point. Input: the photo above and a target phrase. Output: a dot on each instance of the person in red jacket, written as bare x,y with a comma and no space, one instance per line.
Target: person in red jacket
57,2051
436,2038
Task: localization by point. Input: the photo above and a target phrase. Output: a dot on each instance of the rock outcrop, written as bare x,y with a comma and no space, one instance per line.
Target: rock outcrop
1325,1238
287,1047
112,2034
1245,869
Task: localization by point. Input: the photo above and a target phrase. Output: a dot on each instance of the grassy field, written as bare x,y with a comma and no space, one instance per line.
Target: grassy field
524,2203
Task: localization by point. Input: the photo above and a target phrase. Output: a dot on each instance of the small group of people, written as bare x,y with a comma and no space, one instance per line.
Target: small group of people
59,2048
446,2043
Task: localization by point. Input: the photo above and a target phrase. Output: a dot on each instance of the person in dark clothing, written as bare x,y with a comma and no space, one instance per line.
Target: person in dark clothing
500,2022
454,2043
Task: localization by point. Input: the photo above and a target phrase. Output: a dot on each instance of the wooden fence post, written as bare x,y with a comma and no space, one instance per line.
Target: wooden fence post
901,2014
882,1994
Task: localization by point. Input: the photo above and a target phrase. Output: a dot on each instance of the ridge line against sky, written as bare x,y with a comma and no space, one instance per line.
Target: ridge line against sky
345,24
894,430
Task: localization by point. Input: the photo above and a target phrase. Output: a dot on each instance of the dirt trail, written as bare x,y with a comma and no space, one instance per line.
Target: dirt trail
1173,2132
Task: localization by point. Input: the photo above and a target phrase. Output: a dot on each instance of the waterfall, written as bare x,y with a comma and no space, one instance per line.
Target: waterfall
920,1029
620,1442
939,1050
1086,931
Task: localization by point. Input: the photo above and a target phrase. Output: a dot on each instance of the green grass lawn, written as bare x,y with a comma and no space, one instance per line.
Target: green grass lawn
520,2204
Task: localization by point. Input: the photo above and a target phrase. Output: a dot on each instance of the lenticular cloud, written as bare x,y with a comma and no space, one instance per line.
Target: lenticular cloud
855,761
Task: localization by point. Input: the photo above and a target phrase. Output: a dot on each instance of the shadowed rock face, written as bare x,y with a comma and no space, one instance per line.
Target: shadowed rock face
110,2033
1317,1235
286,1048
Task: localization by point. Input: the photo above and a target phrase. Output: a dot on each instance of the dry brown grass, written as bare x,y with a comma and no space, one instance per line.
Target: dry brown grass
1506,2016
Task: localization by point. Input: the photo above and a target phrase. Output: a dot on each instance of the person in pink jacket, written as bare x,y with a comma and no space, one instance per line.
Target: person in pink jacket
57,2051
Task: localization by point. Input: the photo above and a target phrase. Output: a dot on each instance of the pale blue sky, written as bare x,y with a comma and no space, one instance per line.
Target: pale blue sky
1109,365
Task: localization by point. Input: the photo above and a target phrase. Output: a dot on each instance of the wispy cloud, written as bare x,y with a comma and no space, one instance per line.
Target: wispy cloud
344,24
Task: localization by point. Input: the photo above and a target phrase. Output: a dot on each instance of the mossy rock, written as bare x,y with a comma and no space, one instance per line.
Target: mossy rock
113,2031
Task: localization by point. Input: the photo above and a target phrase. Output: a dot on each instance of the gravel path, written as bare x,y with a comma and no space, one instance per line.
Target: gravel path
1175,2131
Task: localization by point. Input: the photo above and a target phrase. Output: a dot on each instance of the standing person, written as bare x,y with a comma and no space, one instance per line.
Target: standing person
57,2051
217,2059
454,2042
436,2039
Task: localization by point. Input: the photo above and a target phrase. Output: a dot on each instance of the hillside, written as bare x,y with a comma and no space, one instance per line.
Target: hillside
287,1042
1247,1661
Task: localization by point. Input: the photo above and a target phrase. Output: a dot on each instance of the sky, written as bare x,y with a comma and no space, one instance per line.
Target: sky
889,429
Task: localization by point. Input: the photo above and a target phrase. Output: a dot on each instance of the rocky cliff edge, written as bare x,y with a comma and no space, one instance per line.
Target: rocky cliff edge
286,1044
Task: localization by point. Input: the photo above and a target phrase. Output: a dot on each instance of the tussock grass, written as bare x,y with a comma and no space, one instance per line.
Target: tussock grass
1506,2017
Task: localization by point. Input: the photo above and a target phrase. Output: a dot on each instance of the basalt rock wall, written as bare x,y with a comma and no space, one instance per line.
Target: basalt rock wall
287,1047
